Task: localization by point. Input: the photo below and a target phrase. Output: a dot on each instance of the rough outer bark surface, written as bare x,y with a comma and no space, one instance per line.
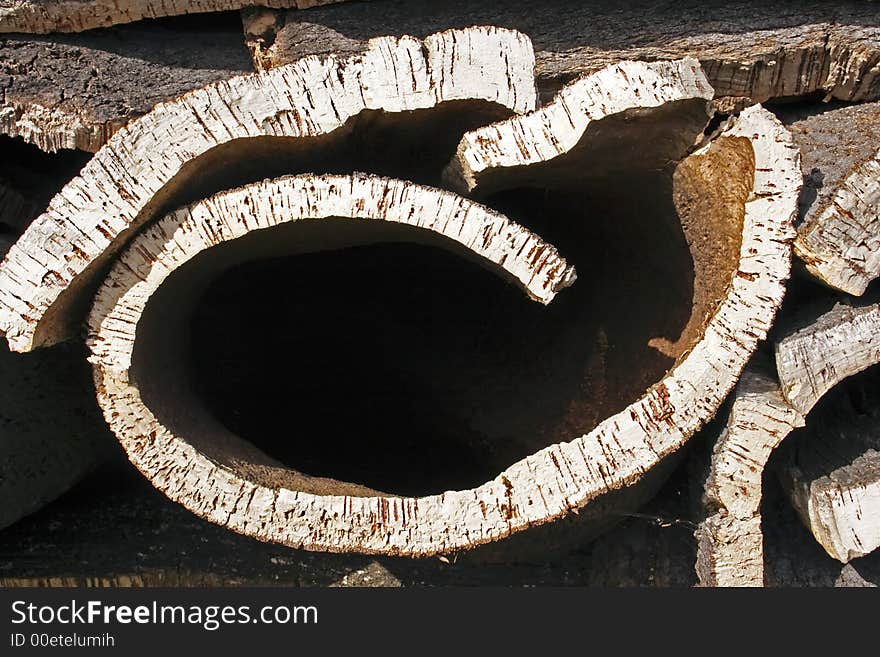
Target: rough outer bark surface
839,343
730,541
754,49
75,91
549,484
839,234
51,433
126,183
43,16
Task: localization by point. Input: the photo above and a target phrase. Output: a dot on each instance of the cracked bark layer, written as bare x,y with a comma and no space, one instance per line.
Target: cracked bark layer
839,234
156,161
730,539
754,49
830,469
43,16
187,454
76,91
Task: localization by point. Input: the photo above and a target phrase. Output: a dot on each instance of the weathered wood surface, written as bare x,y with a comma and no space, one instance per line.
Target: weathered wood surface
823,347
831,469
43,16
149,161
749,49
730,539
75,91
839,231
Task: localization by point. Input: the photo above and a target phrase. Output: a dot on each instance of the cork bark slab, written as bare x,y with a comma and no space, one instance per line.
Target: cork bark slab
730,539
45,274
551,483
748,49
76,91
839,232
567,124
830,470
43,16
813,358
192,468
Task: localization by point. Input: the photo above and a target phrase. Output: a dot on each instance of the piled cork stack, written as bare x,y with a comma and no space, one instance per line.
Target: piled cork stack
305,276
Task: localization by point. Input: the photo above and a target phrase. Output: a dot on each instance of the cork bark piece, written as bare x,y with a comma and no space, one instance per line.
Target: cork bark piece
571,126
158,161
752,49
43,16
116,322
839,232
730,539
74,91
251,496
831,469
813,357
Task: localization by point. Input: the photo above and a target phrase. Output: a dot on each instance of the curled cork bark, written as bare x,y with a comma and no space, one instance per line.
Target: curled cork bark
179,446
836,502
287,118
730,539
815,356
43,16
752,50
831,472
839,233
572,126
243,491
831,469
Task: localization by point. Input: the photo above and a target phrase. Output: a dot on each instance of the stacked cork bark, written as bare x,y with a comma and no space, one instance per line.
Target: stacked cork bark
690,194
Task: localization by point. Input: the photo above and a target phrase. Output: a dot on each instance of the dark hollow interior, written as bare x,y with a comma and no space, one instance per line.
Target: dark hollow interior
406,368
409,369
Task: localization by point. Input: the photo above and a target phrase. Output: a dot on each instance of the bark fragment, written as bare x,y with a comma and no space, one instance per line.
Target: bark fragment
570,126
839,234
831,347
730,540
831,469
